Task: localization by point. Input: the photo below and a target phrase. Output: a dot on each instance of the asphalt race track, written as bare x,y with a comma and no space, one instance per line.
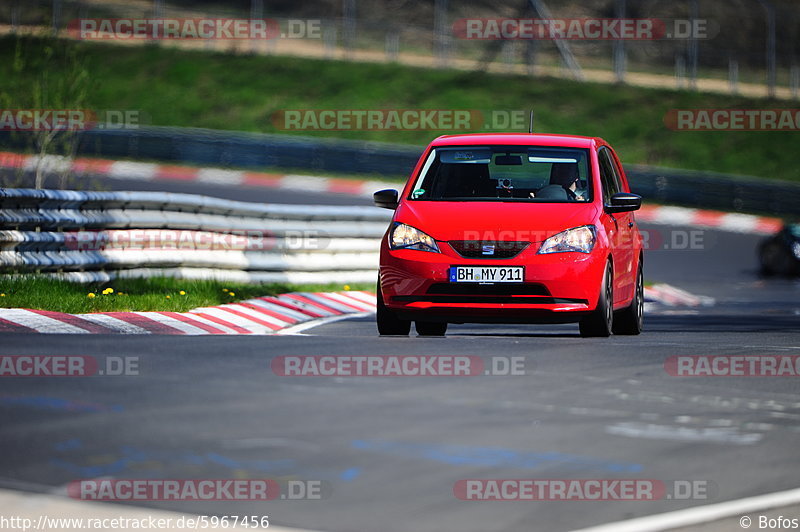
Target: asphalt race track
390,450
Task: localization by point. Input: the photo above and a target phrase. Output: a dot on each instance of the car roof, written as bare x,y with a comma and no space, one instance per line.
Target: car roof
523,139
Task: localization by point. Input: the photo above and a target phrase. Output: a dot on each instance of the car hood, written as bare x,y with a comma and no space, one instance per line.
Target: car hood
469,220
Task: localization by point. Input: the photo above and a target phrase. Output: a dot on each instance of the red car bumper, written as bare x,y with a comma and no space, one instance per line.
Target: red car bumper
557,287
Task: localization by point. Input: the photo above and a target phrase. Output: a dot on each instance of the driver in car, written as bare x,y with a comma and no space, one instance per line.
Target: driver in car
566,175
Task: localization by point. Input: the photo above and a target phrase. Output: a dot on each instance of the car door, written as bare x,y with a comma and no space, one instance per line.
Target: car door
619,227
632,236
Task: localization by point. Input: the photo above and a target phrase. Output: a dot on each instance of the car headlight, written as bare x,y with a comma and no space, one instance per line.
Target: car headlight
796,249
406,237
580,239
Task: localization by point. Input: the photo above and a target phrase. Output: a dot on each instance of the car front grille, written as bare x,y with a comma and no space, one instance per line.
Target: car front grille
503,293
487,249
498,289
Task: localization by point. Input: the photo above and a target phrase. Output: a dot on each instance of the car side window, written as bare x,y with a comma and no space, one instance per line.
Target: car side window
608,175
616,167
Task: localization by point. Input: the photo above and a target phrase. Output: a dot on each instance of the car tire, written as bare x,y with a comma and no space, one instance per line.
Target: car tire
775,260
600,322
431,328
388,322
630,321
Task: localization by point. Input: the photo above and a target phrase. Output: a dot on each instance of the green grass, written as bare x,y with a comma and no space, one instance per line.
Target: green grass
241,92
158,293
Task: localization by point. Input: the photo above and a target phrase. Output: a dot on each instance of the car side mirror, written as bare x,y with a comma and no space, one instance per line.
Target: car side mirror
386,198
624,202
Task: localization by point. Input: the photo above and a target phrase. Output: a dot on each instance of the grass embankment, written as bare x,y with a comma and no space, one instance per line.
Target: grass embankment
127,295
242,92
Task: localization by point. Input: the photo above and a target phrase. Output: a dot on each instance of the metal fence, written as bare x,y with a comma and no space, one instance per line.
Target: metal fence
746,42
90,236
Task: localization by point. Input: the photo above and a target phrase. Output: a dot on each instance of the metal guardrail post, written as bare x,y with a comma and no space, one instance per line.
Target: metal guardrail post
56,16
563,47
733,75
619,46
349,26
680,71
771,46
440,31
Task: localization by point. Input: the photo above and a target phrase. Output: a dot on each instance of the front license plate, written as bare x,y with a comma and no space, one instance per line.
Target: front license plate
487,274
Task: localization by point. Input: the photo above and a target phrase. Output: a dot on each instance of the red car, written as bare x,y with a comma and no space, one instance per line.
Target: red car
512,228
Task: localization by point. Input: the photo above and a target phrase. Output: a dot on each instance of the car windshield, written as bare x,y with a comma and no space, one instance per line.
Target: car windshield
505,173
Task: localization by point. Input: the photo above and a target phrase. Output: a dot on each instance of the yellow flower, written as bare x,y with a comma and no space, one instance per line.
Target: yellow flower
182,293
224,289
2,295
90,295
108,290
231,294
347,287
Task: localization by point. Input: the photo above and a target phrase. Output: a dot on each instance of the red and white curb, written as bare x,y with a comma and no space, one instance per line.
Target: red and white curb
742,223
105,168
282,314
661,298
726,221
676,297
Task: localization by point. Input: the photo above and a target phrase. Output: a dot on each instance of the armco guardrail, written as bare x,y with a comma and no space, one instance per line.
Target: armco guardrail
206,147
101,235
715,191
